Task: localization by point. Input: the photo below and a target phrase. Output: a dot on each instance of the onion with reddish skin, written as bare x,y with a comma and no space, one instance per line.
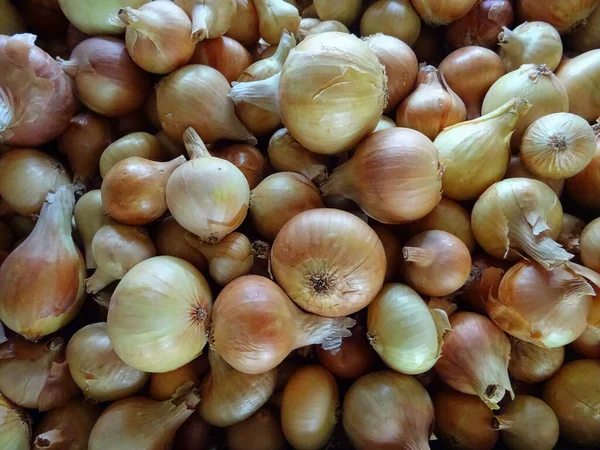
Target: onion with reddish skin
531,363
244,26
396,18
581,79
169,238
564,15
224,54
481,25
248,159
261,431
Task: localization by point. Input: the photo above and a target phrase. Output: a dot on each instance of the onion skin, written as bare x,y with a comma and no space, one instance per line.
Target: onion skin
261,431
442,12
248,159
244,27
224,54
581,78
392,248
564,15
164,385
516,169
531,363
481,25
395,18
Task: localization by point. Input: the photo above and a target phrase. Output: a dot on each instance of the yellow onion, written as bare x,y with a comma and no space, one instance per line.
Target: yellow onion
96,368
15,426
530,43
158,314
570,232
392,248
545,308
405,333
534,83
309,27
274,17
158,36
244,25
531,363
580,77
346,12
329,262
388,410
520,216
589,244
164,385
588,344
224,54
574,396
89,218
442,12
26,177
255,325
207,196
432,106
321,78
396,18
564,15
36,375
106,79
582,187
486,274
97,17
169,238
37,99
475,154
463,421
11,21
587,37
35,301
260,431
209,111
475,358
140,144
138,422
248,159
516,169
394,176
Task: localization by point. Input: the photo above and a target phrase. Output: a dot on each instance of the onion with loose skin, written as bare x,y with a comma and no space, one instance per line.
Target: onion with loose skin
106,79
388,410
96,368
396,18
224,54
248,159
516,169
26,177
244,25
169,238
15,426
570,232
36,98
530,43
481,25
255,325
261,431
210,18
587,37
564,15
384,170
159,313
531,363
581,79
470,72
164,385
475,358
89,218
589,244
274,17
486,274
582,188
442,12
140,144
574,395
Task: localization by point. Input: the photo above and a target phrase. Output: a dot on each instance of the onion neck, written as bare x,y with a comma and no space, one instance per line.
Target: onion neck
194,145
430,76
261,93
98,281
57,211
199,23
286,44
70,67
419,257
510,42
329,332
317,173
145,21
7,111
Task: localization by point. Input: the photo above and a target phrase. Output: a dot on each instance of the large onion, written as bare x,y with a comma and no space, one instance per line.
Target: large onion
564,15
582,187
442,12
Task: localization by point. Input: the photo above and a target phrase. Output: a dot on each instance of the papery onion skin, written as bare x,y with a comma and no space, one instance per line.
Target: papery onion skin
587,37
15,427
531,363
169,238
248,159
530,43
574,396
388,410
329,262
442,12
36,98
564,15
244,27
224,54
95,17
396,18
140,144
481,25
581,78
516,169
570,232
132,316
261,431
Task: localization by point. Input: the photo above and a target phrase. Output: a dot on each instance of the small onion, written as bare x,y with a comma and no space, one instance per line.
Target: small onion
248,159
516,169
169,238
11,21
244,26
531,363
274,17
481,25
15,426
564,15
442,12
587,37
396,18
140,144
530,43
582,188
261,431
316,26
224,54
581,79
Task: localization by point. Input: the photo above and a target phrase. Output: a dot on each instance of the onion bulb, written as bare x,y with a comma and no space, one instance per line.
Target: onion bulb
531,363
486,274
261,431
134,190
116,248
97,17
255,325
164,385
96,368
432,106
158,36
442,12
36,376
548,308
395,18
315,26
321,77
394,176
248,159
475,358
26,177
224,54
140,144
573,394
346,12
309,408
558,146
244,25
470,72
516,169
138,422
388,410
274,17
210,18
587,37
169,238
15,426
581,79
588,343
481,25
207,196
342,269
106,79
158,314
404,331
35,301
582,187
520,216
564,15
89,218
530,43
590,245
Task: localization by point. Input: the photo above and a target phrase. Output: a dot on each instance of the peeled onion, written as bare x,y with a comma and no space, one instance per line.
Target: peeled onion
396,18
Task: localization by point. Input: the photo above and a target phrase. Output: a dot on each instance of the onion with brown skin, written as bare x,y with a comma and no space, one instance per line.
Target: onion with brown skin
261,431
244,26
587,37
588,344
164,385
582,187
140,144
194,434
248,159
481,25
570,232
169,238
396,18
442,12
392,248
224,54
531,363
564,15
580,77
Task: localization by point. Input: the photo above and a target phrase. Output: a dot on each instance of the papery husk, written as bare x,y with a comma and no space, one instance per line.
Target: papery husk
15,426
210,18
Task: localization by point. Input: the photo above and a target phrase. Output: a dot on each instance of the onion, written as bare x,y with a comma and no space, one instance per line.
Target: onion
569,233
519,216
11,21
386,410
164,385
384,170
396,18
229,396
309,408
210,18
463,421
161,290
36,375
404,331
580,77
564,15
35,301
244,25
96,368
89,218
140,144
194,434
475,358
346,12
573,394
66,427
589,245
315,26
516,169
470,72
26,177
224,54
134,190
530,43
392,249
15,426
261,431
481,25
321,77
432,106
588,344
96,17
531,363
255,325
442,12
158,36
587,37
274,17
582,187
143,423
169,238
248,159
342,269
